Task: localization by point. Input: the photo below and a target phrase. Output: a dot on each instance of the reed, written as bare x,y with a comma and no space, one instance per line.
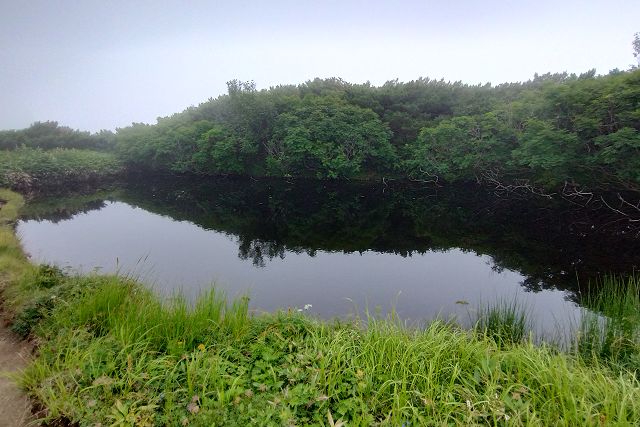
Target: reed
609,328
505,321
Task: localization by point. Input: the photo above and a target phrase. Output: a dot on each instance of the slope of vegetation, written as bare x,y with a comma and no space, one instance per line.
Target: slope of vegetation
562,133
551,132
47,155
27,168
48,135
12,261
112,353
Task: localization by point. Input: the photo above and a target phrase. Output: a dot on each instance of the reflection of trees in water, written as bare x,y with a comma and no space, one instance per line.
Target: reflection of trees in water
256,250
58,213
548,242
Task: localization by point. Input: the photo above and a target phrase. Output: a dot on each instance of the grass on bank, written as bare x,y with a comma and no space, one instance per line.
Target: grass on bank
27,168
505,321
112,353
13,262
610,325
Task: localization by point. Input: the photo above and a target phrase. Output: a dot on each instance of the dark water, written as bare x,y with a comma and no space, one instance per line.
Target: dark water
338,247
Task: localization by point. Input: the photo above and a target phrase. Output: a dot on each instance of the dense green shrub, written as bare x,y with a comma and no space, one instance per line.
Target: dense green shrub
25,168
552,130
48,135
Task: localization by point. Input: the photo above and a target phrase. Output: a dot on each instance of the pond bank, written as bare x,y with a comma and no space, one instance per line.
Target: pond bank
112,352
33,169
15,407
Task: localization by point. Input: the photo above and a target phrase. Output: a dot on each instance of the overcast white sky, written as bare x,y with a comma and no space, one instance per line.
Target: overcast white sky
102,64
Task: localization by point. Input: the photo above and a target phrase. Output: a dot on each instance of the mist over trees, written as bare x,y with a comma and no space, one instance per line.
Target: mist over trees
50,134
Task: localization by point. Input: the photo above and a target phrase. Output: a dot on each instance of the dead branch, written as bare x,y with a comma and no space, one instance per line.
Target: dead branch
433,178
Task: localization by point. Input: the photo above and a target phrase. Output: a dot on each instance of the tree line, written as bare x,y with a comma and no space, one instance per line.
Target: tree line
50,134
553,131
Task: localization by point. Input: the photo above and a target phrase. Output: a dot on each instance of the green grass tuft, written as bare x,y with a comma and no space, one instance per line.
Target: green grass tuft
610,325
506,322
13,262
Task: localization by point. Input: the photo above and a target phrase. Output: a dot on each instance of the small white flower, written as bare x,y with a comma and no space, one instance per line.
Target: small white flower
299,309
307,306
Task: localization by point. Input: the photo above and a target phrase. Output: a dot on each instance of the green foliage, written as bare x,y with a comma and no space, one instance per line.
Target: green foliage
329,138
48,135
620,151
47,287
221,151
135,144
610,324
557,128
28,318
113,353
25,168
48,276
505,321
13,262
548,152
552,129
461,147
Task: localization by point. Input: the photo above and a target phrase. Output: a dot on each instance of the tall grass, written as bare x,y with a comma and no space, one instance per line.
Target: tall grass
13,262
28,168
610,323
505,321
112,352
134,314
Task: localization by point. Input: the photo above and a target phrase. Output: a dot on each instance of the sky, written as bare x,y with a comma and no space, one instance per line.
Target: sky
104,64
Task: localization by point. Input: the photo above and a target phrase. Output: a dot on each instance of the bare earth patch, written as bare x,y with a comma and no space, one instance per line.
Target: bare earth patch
15,408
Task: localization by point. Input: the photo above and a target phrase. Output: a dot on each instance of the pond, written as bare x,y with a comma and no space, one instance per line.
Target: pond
335,248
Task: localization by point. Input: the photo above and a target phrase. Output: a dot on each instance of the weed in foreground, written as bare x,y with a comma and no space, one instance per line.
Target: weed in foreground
113,351
506,322
609,328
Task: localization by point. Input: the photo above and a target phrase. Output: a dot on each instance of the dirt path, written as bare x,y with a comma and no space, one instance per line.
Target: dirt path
15,409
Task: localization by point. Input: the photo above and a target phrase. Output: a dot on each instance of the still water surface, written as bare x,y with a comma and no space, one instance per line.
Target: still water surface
338,248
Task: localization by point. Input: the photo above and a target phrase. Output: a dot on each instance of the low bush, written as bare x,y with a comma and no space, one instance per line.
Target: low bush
27,168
